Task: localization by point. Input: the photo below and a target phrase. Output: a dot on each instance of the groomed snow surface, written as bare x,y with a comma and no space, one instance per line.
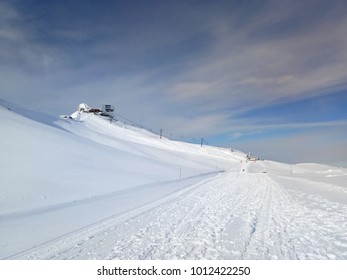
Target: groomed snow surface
91,189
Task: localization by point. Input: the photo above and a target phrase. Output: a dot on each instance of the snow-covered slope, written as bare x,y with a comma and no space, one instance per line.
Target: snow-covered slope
88,188
45,165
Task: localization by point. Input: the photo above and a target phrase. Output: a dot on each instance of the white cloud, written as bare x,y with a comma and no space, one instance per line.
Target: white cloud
200,126
236,135
186,69
247,126
249,69
20,50
323,145
189,90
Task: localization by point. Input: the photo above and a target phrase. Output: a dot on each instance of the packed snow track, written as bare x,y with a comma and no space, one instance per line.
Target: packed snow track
235,215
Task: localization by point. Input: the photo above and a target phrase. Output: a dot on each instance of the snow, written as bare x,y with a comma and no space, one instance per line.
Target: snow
91,189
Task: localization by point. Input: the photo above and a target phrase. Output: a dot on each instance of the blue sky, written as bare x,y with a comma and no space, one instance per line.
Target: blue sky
262,76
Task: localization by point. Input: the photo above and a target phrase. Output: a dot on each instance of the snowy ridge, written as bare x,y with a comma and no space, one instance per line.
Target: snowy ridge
29,113
91,189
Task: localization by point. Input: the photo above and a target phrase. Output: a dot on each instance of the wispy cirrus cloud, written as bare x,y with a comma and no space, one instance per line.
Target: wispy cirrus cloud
246,127
185,67
254,65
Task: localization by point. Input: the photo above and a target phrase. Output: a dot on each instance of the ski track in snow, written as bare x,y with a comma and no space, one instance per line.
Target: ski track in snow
231,216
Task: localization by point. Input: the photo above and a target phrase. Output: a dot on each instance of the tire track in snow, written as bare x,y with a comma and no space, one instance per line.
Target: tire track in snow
232,216
57,247
192,226
237,216
319,227
268,238
300,226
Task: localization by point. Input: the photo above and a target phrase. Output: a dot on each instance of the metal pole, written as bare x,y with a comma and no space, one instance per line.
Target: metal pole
291,170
